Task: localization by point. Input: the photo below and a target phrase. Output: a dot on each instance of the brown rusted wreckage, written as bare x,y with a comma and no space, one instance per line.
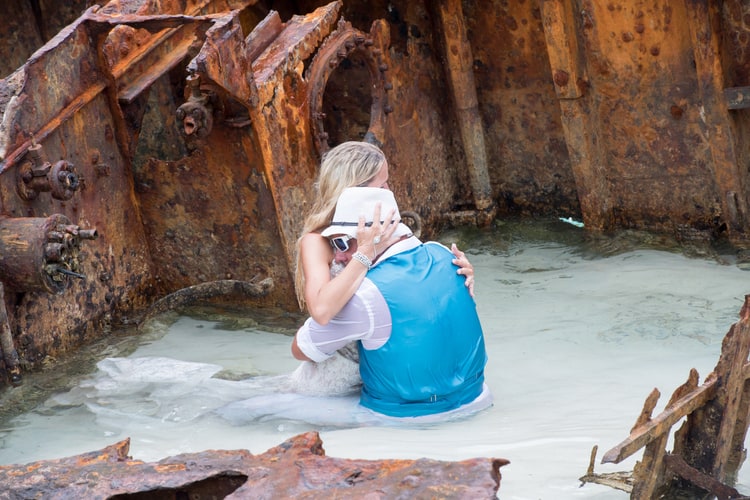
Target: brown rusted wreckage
155,149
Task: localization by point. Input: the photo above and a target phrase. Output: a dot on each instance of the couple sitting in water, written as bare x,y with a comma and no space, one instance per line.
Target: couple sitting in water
407,306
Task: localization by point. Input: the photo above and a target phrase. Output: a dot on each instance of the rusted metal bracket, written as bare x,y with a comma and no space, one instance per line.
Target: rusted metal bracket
37,175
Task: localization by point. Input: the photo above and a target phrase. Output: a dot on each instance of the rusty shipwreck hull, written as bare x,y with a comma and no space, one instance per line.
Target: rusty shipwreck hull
186,134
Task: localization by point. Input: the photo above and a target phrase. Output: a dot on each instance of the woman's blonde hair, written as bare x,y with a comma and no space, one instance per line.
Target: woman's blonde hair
349,164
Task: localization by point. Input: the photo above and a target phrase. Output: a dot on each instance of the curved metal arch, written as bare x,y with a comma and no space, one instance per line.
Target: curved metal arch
342,43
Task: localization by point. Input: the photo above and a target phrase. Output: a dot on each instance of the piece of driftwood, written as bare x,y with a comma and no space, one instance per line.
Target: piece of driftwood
297,468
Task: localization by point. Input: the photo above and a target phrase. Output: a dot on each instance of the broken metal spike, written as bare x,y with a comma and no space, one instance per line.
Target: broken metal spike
68,272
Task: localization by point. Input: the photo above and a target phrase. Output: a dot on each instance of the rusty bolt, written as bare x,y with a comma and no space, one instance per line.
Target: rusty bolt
323,136
383,67
341,54
53,252
68,241
369,42
27,176
359,39
332,63
388,86
388,109
55,236
88,234
349,45
561,78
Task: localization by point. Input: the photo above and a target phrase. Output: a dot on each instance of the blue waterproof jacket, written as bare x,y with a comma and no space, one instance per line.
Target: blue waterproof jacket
434,360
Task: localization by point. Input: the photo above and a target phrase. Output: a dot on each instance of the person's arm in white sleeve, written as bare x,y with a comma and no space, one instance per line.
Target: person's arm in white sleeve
365,317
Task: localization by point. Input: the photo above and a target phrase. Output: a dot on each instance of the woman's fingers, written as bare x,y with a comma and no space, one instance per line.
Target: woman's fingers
392,225
465,268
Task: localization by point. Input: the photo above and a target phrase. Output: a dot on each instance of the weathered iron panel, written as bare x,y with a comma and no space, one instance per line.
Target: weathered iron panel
529,165
209,216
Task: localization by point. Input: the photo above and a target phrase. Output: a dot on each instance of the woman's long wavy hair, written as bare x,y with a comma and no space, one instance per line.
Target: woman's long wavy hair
349,164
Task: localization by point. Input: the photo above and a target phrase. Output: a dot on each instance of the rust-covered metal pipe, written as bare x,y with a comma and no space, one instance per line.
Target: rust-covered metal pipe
36,254
40,254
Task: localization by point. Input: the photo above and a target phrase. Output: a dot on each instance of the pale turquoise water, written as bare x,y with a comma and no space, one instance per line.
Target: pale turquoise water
578,334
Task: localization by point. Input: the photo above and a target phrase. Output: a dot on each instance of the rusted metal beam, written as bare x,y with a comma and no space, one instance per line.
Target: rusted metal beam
581,132
281,118
223,59
460,72
560,31
704,19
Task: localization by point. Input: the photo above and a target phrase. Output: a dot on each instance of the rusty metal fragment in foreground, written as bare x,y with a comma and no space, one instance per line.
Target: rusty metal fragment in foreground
297,468
708,447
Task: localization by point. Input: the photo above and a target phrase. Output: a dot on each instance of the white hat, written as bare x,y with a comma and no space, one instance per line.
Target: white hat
356,201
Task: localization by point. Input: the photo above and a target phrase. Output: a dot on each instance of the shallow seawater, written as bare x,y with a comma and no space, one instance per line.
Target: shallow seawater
578,332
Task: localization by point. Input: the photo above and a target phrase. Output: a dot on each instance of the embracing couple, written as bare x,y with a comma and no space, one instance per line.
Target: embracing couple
406,305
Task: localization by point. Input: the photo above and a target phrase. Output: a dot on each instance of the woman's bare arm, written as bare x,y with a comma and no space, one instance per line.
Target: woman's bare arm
324,296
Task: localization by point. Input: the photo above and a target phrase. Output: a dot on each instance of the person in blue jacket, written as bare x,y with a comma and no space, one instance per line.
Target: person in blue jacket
420,342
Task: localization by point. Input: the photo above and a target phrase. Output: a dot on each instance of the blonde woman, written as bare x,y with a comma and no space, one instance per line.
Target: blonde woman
349,164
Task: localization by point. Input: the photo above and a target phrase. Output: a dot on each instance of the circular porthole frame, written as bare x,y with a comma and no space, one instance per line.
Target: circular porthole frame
337,47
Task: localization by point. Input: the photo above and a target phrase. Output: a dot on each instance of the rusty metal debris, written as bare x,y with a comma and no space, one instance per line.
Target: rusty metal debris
709,446
297,468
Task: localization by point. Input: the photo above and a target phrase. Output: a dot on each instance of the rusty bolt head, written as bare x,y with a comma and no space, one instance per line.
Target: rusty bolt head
561,78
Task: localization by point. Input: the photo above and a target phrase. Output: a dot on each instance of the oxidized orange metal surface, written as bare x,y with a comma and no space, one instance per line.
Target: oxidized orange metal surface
296,468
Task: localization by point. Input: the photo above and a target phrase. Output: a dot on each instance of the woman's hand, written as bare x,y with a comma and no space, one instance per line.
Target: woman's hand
373,240
466,269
